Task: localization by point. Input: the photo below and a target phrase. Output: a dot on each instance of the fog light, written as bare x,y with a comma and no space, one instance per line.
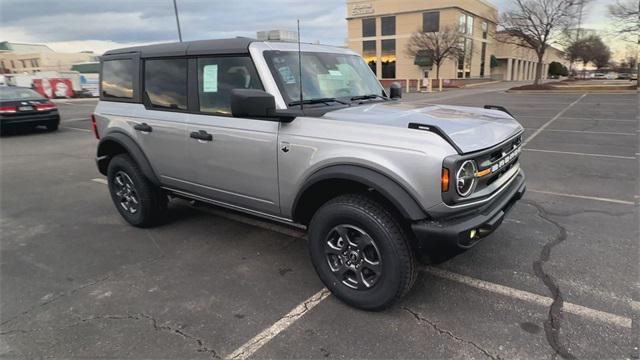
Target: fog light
472,233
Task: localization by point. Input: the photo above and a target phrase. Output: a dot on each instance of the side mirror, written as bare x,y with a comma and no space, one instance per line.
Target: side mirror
250,103
395,91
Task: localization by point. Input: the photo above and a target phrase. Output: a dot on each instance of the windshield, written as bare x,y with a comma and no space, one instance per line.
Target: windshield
324,75
18,93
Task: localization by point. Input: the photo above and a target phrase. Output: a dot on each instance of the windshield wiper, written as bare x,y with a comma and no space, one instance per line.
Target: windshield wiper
367,97
317,101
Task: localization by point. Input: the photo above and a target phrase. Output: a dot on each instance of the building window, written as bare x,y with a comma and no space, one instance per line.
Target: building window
485,29
388,25
368,27
431,21
388,59
465,24
483,55
468,52
13,64
24,63
369,54
165,83
117,79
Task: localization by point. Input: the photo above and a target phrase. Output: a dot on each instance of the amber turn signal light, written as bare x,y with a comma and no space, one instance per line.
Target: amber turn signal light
444,180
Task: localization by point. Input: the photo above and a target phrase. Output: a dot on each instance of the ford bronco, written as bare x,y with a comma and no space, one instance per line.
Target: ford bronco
308,137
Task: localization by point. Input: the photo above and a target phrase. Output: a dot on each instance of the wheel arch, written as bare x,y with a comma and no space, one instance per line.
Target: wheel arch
119,143
335,180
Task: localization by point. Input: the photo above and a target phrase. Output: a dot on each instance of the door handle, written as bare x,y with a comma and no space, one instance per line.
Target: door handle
201,135
143,127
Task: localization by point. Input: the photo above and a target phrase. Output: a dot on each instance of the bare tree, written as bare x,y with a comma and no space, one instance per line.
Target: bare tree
590,49
534,24
439,46
626,17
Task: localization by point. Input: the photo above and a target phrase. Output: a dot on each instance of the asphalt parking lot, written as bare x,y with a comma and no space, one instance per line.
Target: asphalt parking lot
559,279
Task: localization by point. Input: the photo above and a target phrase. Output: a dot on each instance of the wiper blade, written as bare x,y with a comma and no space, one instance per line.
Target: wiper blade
317,101
367,97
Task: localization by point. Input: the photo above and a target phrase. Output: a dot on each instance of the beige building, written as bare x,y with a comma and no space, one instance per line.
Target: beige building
519,63
380,31
17,58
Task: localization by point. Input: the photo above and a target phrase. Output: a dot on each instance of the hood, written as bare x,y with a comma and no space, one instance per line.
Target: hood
470,128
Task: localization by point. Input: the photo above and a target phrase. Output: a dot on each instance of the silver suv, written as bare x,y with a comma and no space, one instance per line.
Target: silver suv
377,182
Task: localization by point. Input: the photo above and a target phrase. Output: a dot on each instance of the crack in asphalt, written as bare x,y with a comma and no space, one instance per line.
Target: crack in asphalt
71,292
201,347
450,334
553,324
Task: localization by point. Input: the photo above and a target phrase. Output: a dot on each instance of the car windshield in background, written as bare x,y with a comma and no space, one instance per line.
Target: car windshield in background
17,93
324,76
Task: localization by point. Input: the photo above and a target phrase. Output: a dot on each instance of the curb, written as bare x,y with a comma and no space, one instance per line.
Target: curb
73,100
572,91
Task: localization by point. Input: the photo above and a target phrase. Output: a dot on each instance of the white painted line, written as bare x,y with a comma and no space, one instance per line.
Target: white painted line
75,119
587,132
72,128
552,120
100,181
582,154
258,341
615,201
580,310
575,118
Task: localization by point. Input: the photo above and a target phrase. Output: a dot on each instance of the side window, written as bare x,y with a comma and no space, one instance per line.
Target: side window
117,79
165,83
217,76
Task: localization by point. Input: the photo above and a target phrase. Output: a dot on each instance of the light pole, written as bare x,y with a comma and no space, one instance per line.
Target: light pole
175,8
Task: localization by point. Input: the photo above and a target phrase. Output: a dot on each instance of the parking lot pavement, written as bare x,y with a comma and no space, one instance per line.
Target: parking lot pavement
560,277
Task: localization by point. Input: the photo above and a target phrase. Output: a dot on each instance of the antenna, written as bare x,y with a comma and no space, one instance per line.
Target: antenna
300,67
175,8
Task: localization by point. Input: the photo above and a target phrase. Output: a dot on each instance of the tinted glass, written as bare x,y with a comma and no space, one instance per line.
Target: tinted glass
368,27
117,79
218,76
324,75
388,25
388,59
431,22
369,54
165,83
18,93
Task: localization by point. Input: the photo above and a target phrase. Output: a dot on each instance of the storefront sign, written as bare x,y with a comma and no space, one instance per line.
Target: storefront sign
362,9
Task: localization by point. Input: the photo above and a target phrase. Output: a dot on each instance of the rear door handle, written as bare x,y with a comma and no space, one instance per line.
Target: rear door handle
201,135
143,127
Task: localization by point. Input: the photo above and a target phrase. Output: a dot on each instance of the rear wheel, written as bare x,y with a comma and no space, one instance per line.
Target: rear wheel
139,202
53,125
361,252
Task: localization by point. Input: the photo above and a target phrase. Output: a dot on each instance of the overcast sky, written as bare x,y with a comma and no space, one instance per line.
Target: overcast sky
99,25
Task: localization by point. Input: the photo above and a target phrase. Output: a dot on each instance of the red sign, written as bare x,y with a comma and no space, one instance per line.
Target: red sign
54,88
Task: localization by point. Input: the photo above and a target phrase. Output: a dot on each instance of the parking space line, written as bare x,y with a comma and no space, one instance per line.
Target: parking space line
544,126
595,198
568,307
258,341
74,119
587,132
77,129
582,154
575,118
100,181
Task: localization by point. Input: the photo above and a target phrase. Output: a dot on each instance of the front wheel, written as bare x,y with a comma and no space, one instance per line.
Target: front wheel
361,252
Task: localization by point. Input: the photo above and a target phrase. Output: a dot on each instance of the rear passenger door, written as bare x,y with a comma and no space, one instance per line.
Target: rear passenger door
235,159
161,129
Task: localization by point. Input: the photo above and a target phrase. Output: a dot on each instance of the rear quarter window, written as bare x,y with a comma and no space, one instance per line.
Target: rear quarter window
117,79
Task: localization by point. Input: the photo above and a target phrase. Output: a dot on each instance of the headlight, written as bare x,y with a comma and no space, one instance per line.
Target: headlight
466,178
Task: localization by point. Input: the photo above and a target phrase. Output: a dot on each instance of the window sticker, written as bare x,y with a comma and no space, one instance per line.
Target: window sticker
335,73
287,75
210,78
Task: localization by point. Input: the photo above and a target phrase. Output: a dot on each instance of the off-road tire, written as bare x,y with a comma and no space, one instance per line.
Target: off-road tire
397,259
152,200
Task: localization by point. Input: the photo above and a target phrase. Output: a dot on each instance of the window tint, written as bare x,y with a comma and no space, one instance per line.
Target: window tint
165,83
117,79
431,22
388,25
388,59
218,76
368,27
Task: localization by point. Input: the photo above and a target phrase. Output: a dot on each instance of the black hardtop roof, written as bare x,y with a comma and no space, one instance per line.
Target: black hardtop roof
238,45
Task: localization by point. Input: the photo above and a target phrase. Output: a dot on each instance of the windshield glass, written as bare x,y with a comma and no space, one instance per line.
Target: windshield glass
324,75
18,93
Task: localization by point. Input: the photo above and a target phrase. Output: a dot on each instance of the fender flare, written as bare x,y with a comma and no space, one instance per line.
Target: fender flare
131,148
405,203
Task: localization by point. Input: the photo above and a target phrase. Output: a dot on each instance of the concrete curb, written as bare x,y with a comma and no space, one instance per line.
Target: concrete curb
572,91
482,83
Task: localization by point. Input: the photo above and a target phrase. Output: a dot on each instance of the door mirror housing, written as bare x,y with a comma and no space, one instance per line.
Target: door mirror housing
253,103
395,91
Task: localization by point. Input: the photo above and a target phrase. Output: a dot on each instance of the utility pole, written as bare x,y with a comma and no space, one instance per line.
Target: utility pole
175,8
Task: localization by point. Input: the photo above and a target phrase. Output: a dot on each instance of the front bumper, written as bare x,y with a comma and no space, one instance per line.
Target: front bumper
466,230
